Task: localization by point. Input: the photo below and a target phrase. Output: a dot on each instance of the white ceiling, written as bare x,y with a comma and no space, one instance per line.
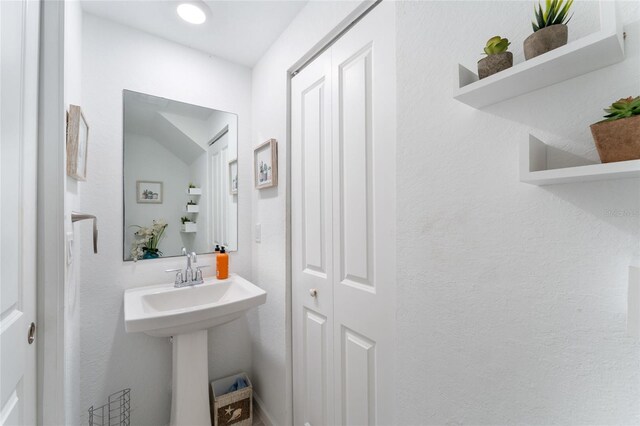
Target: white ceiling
238,31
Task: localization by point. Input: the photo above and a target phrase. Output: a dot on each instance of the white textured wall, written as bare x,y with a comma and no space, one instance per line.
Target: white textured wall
269,324
149,160
114,58
511,297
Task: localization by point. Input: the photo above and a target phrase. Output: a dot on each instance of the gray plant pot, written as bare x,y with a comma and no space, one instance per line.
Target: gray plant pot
494,63
545,40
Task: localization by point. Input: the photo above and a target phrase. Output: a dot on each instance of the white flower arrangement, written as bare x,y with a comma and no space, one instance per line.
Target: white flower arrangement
147,240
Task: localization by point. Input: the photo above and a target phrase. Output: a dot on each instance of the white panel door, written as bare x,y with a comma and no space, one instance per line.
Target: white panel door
343,228
364,135
312,258
219,184
18,164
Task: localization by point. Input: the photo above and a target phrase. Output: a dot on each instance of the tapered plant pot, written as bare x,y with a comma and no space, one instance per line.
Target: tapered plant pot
545,40
494,63
617,140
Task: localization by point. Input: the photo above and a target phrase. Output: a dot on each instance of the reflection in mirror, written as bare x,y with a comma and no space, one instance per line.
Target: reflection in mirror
180,178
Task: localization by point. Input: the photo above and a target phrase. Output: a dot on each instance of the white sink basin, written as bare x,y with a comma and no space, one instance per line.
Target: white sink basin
186,313
163,310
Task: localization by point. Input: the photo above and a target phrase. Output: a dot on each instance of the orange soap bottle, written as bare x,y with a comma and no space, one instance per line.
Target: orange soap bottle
222,264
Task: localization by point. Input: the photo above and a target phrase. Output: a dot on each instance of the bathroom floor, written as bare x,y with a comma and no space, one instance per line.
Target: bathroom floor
257,421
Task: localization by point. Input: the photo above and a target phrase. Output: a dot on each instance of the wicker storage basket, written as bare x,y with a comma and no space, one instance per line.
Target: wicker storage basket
234,408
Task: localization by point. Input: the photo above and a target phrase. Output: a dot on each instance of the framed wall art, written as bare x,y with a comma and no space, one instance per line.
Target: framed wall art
233,176
148,192
77,142
265,157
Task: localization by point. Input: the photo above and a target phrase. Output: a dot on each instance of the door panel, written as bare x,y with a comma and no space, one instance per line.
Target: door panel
343,228
355,155
364,201
358,379
19,22
313,188
219,184
315,372
312,262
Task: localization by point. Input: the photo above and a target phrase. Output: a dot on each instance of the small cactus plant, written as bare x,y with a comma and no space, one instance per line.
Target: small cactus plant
496,45
623,108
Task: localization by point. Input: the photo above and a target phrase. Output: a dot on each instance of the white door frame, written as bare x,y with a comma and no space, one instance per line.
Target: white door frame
356,15
50,212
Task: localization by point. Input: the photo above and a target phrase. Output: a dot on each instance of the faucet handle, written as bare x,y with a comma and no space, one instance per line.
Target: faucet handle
199,272
178,272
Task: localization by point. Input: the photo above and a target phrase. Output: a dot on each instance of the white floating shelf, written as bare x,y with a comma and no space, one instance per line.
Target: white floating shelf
193,208
194,191
533,167
189,227
595,51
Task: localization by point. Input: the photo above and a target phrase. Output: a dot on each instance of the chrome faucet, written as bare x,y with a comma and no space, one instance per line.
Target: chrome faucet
189,277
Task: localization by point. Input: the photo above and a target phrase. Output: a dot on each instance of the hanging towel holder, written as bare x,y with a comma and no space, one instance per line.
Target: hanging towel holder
75,216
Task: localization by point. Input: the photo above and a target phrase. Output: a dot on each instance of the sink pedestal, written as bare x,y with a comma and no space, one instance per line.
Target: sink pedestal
190,396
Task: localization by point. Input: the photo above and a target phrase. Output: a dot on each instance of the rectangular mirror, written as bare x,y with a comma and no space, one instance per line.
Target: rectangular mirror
180,178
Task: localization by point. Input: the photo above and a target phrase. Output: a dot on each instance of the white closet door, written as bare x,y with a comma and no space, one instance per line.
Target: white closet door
343,228
312,257
219,191
19,21
364,155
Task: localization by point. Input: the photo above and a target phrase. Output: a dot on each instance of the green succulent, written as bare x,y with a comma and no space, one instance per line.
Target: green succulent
624,108
496,45
555,13
185,219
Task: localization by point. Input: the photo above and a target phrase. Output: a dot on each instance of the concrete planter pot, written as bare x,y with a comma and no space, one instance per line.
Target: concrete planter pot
545,40
494,63
617,140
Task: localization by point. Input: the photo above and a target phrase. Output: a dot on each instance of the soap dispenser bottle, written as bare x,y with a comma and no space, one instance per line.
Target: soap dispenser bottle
222,264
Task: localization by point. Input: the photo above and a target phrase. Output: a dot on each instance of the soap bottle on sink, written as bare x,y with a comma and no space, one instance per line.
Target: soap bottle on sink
222,264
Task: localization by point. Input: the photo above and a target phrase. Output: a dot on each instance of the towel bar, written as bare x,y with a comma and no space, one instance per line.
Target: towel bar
83,216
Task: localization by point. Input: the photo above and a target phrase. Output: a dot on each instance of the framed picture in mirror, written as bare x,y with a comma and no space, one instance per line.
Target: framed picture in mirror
149,192
233,177
266,164
77,140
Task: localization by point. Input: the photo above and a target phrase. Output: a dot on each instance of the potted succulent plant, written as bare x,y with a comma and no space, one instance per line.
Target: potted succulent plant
188,225
617,137
498,59
550,29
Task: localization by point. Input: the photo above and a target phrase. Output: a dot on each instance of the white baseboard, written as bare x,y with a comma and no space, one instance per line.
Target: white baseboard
259,410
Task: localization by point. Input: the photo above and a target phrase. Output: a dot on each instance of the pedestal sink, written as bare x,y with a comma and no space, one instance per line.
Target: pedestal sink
186,313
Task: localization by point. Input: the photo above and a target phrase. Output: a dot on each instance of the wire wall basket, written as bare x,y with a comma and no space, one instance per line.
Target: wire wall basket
116,412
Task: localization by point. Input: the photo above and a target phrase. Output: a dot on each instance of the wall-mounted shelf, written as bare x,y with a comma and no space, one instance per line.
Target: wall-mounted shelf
194,191
193,208
189,227
595,51
533,167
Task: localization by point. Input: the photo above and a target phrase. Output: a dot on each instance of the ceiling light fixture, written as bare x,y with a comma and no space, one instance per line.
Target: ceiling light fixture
191,13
